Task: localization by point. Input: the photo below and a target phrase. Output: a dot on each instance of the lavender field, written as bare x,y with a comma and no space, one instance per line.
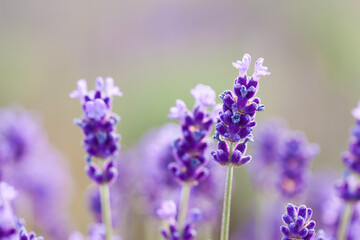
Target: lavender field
179,120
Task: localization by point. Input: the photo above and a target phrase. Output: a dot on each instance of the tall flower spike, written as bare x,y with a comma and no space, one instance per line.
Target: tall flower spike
295,157
298,223
195,127
236,120
99,126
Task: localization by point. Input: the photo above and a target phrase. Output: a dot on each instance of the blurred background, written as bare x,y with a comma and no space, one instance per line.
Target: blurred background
158,50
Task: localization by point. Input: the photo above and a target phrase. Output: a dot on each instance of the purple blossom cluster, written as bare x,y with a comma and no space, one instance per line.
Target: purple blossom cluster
295,157
99,126
283,158
237,118
195,127
298,223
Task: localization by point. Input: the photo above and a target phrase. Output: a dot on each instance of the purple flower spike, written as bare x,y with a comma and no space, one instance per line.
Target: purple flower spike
99,124
195,126
298,223
237,119
295,156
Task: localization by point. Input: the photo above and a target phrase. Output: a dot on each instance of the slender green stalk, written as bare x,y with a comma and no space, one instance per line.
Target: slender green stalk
105,209
345,220
226,207
225,223
184,202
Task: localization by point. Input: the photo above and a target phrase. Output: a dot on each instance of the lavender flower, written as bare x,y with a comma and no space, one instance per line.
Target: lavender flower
270,137
195,127
351,158
156,152
98,124
295,157
237,118
168,212
298,223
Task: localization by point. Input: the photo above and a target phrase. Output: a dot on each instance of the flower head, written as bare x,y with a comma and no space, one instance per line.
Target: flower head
190,147
298,223
236,120
98,122
295,157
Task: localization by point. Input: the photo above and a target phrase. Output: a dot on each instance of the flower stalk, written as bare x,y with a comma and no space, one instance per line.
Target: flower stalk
105,209
184,202
345,220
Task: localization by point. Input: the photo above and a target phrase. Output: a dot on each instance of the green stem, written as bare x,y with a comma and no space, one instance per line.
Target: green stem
345,220
184,202
105,209
225,225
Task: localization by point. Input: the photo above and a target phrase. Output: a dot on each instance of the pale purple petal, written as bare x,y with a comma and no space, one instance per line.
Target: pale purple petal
110,89
243,65
178,112
81,90
204,95
167,210
260,70
99,83
7,194
356,112
95,109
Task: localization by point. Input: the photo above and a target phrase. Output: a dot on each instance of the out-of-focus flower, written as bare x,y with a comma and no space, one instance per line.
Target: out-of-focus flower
295,157
36,169
237,118
195,126
266,152
298,223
